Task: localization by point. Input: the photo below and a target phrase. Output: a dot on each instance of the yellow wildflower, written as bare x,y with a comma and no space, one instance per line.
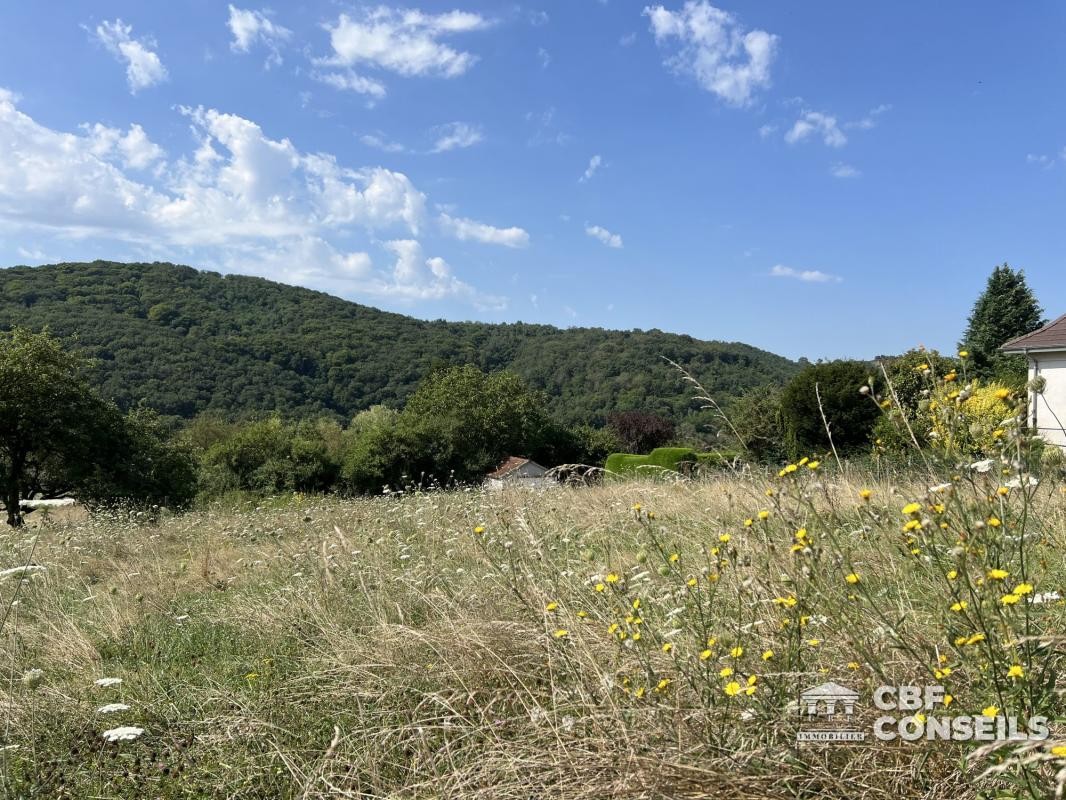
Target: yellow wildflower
1009,599
732,689
551,606
865,494
737,651
764,515
725,537
612,578
990,711
562,633
1023,588
852,578
997,574
480,529
911,508
959,606
667,647
725,672
1016,671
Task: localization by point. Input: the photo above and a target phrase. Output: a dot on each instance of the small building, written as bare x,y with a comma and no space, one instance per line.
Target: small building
515,471
1046,350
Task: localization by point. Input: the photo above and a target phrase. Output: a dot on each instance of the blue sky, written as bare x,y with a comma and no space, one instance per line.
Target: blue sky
818,179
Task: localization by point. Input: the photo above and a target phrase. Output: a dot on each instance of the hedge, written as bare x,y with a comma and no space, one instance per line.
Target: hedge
662,459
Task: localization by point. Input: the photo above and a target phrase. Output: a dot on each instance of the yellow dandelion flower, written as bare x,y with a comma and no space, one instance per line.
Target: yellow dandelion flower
1023,588
737,652
706,654
767,655
562,633
814,465
990,711
612,578
480,529
865,494
853,665
667,647
724,538
639,692
913,525
801,534
1016,671
661,687
948,700
636,603
997,574
993,522
1059,750
749,522
637,507
692,583
911,508
582,614
600,587
852,578
952,574
1009,599
675,557
551,606
764,515
725,672
814,642
977,637
732,689
959,606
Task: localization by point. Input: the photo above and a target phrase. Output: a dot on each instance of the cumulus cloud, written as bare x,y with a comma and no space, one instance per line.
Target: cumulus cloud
240,201
590,170
407,42
457,135
468,229
711,45
251,27
815,123
143,67
805,275
603,235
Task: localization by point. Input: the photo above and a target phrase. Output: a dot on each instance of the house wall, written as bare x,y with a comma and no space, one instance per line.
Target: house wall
1048,408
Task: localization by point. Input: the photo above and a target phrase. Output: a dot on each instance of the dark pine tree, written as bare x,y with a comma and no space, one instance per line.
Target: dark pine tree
1005,310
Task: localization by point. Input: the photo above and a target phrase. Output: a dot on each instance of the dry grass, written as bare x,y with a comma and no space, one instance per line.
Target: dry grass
379,648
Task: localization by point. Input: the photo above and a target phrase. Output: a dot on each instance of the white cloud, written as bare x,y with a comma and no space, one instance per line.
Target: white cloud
604,235
842,170
627,40
406,42
240,201
250,27
457,135
468,229
143,67
870,120
805,275
713,47
545,57
766,131
817,124
349,80
378,142
594,164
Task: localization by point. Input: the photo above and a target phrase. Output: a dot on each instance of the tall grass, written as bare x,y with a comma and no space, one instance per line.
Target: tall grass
534,645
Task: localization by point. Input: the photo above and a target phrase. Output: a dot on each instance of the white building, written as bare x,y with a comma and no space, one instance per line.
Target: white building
516,471
1046,351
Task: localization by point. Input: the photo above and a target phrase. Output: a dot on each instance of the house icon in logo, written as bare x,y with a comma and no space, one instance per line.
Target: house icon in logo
828,700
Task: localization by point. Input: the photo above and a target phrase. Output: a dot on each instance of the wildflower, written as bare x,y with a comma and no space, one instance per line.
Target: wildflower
852,578
788,602
911,508
767,655
749,522
724,538
1023,588
612,578
711,641
997,574
125,733
551,606
112,708
692,583
252,677
667,647
639,692
801,534
1059,750
1009,599
814,642
675,557
913,525
636,507
769,492
959,606
941,673
977,637
1016,671
814,465
752,680
1002,394
661,687
725,672
990,711
764,515
737,652
706,654
732,689
865,494
853,665
952,574
636,603
108,681
601,587
480,529
582,614
1002,491
561,633
948,700
982,466
993,522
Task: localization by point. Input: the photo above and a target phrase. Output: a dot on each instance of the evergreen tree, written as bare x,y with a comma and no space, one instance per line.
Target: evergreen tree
1005,310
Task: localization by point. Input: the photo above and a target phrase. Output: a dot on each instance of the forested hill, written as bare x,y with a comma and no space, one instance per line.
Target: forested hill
186,341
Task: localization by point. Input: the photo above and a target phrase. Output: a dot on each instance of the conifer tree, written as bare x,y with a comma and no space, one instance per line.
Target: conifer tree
1005,310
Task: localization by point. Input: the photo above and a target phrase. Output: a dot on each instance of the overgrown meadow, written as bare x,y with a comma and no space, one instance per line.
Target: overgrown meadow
637,639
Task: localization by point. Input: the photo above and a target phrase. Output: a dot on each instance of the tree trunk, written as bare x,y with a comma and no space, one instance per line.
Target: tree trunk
11,494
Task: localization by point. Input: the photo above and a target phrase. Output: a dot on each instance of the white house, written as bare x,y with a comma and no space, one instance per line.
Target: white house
516,471
1046,351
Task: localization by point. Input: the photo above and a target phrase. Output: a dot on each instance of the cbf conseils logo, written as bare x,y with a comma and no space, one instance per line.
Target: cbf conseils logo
914,713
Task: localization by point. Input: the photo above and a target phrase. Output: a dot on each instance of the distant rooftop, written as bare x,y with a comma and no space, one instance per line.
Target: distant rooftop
1051,337
508,466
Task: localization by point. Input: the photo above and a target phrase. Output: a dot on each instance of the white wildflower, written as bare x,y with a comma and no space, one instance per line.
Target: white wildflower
124,733
1022,480
1045,597
982,466
108,681
112,708
939,488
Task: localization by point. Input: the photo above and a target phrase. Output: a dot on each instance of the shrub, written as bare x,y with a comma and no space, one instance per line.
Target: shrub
851,416
970,421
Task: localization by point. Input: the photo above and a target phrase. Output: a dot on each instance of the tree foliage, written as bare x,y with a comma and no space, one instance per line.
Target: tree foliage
1006,309
640,431
186,342
851,416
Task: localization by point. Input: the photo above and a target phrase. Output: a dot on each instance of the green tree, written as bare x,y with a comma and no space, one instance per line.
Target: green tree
756,418
1005,310
850,415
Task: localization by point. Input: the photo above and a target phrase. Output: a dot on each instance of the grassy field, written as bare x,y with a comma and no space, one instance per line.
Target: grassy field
631,640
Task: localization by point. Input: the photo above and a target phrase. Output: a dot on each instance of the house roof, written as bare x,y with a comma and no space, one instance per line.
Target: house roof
510,464
1051,337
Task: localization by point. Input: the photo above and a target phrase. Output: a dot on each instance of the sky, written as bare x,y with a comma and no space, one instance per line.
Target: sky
830,179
